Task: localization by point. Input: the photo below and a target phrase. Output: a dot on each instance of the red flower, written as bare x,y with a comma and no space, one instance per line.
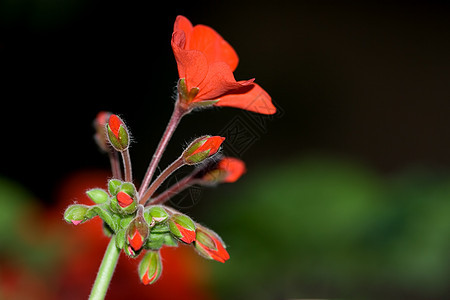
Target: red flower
205,65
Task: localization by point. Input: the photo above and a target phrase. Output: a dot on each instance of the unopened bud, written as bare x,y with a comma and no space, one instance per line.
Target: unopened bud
155,214
150,267
100,130
76,214
125,201
209,245
137,232
117,133
182,227
202,148
99,196
227,169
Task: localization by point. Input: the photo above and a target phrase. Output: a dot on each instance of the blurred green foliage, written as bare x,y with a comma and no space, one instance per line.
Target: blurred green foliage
321,227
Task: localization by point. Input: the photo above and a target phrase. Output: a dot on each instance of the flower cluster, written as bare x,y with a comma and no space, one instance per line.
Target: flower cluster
136,217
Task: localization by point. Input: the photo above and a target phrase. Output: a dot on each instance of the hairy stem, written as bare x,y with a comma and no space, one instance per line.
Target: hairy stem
127,165
115,164
161,178
106,271
177,188
177,114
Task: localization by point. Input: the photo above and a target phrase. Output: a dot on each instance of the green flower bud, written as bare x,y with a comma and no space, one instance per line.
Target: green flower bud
76,214
99,196
150,267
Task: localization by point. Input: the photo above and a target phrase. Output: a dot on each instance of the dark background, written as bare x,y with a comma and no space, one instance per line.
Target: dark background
369,80
366,83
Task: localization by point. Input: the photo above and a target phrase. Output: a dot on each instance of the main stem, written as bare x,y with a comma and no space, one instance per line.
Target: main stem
106,270
177,114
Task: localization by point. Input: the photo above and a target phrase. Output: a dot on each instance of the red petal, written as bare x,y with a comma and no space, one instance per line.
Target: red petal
136,241
115,123
218,81
188,235
216,49
192,64
124,199
255,100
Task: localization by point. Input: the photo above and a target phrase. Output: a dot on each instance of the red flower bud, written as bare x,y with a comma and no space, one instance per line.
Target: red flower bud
182,227
137,233
202,148
100,136
117,133
226,170
150,267
209,245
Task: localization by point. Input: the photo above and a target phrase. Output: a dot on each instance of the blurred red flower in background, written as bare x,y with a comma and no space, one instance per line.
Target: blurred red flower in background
73,256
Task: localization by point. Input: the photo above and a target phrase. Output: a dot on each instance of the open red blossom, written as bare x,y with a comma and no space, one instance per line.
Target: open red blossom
206,63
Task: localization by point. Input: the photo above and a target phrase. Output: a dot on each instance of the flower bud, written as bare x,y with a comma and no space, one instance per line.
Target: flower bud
150,267
209,245
202,148
182,227
99,196
155,214
76,214
227,169
125,201
118,133
100,135
137,232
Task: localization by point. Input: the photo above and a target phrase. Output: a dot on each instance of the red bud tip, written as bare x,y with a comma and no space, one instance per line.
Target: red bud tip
114,123
233,167
188,235
76,222
146,279
124,199
220,255
136,241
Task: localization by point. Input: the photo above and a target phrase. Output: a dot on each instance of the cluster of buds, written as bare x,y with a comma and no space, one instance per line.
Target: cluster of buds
135,217
136,224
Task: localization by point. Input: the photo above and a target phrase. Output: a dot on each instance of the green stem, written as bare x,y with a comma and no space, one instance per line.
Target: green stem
106,270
